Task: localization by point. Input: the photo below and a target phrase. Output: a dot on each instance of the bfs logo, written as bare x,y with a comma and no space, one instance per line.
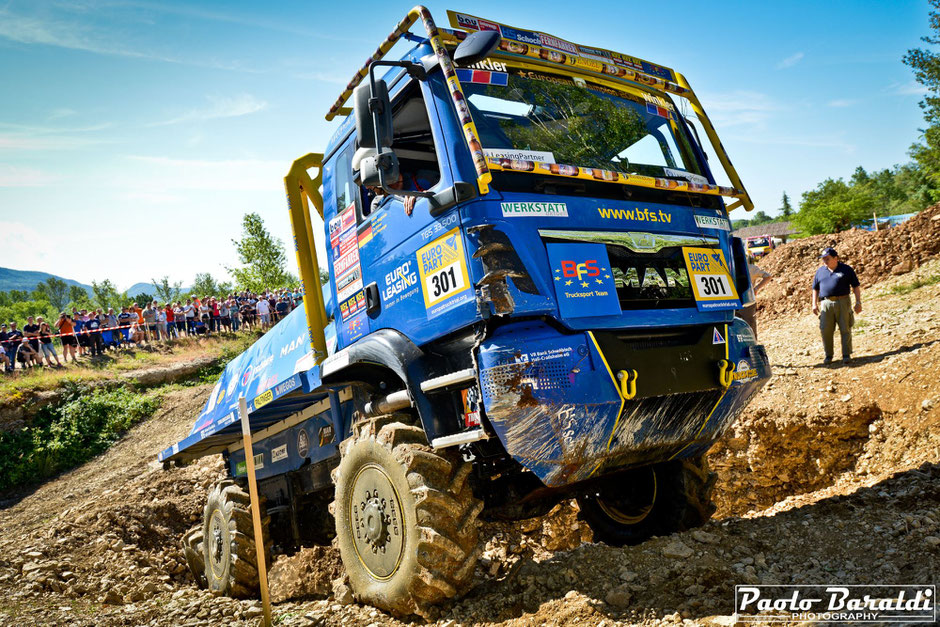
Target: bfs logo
571,269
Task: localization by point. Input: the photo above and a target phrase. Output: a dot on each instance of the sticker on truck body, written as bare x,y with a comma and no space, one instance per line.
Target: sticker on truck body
584,284
442,267
712,222
712,285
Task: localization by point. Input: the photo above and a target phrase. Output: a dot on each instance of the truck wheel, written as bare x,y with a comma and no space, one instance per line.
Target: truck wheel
406,518
193,552
231,563
655,500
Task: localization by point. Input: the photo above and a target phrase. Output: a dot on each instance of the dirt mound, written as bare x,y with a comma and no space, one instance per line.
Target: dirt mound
771,454
309,573
875,255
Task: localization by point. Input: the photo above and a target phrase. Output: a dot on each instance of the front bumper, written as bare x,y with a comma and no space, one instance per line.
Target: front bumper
560,409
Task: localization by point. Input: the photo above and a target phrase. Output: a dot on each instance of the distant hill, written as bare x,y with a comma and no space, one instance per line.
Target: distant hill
149,288
27,280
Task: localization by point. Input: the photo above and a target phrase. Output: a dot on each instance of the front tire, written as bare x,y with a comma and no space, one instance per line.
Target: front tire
655,500
406,518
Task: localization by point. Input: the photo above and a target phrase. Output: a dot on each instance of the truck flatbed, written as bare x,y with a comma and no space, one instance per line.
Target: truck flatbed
278,378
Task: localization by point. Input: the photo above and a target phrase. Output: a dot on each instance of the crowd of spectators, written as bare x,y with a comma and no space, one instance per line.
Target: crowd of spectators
90,333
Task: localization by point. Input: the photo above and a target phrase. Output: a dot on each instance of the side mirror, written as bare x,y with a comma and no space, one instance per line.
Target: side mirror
477,46
370,163
373,112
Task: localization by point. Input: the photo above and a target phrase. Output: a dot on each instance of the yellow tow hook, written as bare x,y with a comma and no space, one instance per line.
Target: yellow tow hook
725,372
627,380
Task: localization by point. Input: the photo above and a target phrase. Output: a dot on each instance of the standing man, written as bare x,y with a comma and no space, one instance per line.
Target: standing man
14,339
93,329
264,312
189,312
5,347
31,332
832,302
66,328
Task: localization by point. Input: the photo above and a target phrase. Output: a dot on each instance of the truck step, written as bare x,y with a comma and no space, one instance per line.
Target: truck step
457,439
448,380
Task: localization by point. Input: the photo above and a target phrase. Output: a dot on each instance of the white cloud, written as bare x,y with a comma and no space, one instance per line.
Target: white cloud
841,103
790,61
325,77
816,142
910,88
61,112
27,137
16,176
60,33
76,35
21,141
24,247
164,174
218,107
739,108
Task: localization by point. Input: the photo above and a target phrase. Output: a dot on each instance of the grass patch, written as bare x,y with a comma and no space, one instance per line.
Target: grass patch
907,288
84,425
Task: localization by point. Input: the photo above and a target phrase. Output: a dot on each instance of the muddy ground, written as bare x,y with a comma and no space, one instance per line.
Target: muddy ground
832,475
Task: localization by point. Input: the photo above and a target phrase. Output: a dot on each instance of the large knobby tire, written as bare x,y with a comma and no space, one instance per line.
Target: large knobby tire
406,518
193,552
229,554
656,500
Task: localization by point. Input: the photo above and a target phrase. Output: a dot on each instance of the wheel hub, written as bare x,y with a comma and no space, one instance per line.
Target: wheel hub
376,522
218,544
375,514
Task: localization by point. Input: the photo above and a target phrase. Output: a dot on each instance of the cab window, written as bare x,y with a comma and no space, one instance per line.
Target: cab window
413,142
344,188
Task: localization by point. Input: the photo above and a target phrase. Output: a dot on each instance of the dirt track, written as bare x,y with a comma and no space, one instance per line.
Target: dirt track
832,475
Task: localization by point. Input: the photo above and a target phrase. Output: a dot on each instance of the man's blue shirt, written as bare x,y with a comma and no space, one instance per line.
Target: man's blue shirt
839,282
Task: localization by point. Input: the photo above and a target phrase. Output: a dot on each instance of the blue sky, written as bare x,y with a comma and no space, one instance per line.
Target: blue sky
134,135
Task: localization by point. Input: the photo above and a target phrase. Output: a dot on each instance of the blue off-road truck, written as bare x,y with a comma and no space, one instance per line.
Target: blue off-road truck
534,295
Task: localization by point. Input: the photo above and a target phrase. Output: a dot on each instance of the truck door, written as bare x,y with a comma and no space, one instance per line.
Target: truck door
391,236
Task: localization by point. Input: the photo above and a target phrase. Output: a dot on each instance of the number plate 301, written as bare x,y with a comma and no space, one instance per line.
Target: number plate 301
711,280
443,269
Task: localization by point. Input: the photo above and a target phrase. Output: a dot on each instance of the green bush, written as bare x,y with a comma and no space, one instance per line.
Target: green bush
84,425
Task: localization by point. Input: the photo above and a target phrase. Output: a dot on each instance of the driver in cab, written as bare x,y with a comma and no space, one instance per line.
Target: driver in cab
417,181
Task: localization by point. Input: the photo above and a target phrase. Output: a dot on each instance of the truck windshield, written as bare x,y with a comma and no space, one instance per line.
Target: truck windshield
571,121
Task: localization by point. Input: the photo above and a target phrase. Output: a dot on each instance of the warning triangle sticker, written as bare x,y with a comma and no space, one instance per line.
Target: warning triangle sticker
716,336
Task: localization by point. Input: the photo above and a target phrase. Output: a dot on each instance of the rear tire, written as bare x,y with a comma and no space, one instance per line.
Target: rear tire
193,552
229,554
655,500
406,518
